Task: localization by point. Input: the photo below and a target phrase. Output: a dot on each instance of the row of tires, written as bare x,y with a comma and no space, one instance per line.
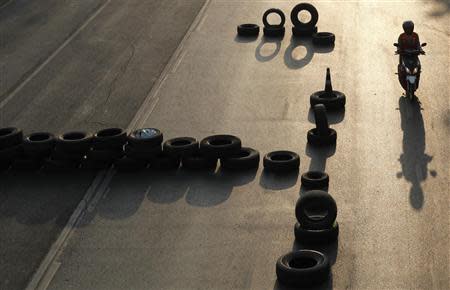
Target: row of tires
299,29
140,149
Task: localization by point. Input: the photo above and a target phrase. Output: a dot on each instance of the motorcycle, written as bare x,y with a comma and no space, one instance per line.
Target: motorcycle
409,70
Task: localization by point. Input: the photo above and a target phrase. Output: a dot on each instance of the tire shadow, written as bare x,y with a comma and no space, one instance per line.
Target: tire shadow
319,156
414,160
246,39
278,181
211,189
289,58
260,48
36,198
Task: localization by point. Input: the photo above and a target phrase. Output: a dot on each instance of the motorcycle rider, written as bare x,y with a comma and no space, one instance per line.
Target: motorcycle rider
408,40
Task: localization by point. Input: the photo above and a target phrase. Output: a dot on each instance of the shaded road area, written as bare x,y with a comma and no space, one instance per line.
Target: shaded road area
67,65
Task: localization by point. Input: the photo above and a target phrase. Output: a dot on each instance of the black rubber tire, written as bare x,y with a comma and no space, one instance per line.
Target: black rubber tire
181,146
219,146
308,7
336,102
199,161
246,158
274,31
317,140
321,119
163,161
303,268
109,138
9,137
315,180
281,161
323,38
147,137
276,11
104,155
325,236
66,156
317,199
303,32
146,153
126,164
39,144
52,165
248,30
10,153
76,141
26,164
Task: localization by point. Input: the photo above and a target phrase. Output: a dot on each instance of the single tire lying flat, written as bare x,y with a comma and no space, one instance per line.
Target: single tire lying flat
323,38
147,137
248,30
337,101
181,146
274,31
199,161
39,144
109,138
276,11
315,180
246,158
316,210
218,146
165,161
281,161
9,137
321,140
324,236
312,11
303,32
76,141
303,268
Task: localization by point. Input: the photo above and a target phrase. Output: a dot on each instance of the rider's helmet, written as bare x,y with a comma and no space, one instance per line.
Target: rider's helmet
408,27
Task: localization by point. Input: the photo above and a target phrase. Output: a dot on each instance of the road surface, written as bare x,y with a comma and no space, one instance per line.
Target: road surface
388,173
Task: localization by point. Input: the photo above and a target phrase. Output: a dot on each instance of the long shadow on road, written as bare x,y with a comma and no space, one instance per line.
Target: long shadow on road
414,160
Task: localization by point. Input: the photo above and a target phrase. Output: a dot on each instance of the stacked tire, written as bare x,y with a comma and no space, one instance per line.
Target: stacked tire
10,146
304,29
107,147
36,147
69,152
143,145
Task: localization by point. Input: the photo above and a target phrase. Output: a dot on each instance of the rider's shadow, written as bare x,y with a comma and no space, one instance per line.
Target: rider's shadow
414,160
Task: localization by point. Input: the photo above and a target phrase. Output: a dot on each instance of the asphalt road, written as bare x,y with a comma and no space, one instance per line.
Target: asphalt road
154,230
67,65
389,171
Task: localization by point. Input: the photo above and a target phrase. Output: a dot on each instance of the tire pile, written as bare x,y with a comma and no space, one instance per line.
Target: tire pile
141,149
300,29
316,210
